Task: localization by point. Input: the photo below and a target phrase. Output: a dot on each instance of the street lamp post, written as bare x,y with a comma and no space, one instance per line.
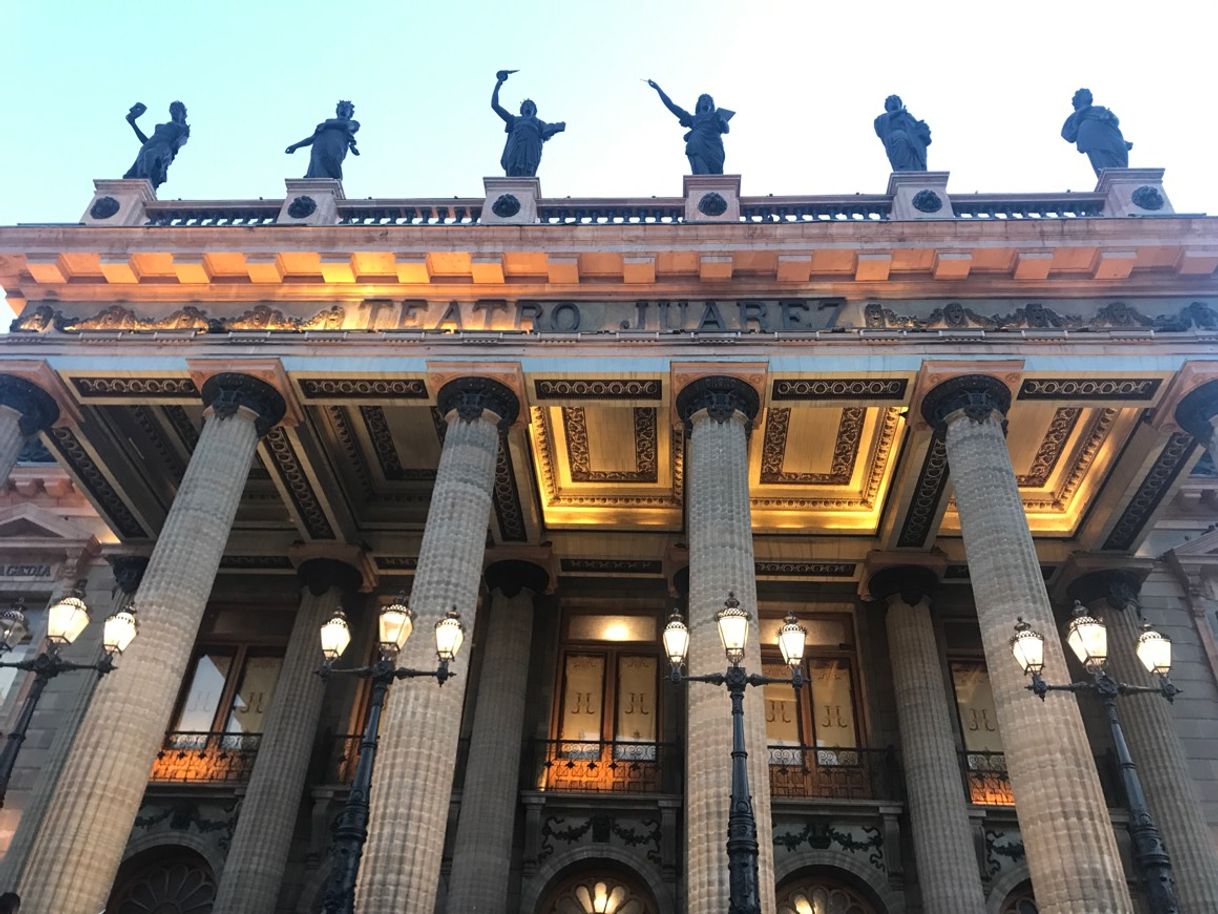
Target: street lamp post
66,619
1088,638
733,623
396,622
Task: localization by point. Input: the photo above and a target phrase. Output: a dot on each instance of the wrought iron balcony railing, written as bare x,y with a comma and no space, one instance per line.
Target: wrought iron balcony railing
987,782
194,757
835,774
607,766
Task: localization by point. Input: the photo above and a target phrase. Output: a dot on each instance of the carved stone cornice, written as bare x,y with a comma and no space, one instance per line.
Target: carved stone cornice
128,571
37,408
225,393
470,397
977,395
721,397
1196,411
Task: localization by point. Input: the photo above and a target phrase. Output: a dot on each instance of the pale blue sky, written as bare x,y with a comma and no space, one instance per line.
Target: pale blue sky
993,80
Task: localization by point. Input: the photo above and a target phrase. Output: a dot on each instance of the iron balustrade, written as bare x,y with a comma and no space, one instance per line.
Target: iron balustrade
657,210
823,773
607,766
456,211
852,208
192,757
987,782
212,214
1027,206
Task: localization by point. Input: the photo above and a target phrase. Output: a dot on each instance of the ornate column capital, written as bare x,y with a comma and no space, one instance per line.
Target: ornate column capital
128,571
37,408
720,396
913,583
470,397
225,393
511,576
976,395
1118,587
1196,411
320,574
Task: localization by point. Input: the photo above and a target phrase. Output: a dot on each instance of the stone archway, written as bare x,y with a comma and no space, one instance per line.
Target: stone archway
164,880
1020,900
818,892
599,889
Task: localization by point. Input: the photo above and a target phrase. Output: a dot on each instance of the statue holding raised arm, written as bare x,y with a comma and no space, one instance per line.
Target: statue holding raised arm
526,134
1097,132
330,141
158,151
704,141
905,137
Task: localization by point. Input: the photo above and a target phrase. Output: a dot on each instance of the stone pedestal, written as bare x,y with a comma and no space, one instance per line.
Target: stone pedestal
1171,791
80,844
258,855
482,852
510,201
1072,852
1133,192
119,201
718,412
311,201
25,410
411,790
919,195
712,198
938,812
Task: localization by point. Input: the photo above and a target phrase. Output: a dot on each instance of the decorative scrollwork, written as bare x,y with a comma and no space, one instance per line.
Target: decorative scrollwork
977,395
103,208
579,456
292,474
720,396
1148,197
470,397
91,476
1154,486
302,207
225,393
927,201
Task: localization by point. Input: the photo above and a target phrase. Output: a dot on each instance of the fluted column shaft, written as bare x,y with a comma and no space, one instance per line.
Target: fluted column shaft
721,561
1072,852
482,853
258,856
80,843
938,812
25,410
1171,792
414,773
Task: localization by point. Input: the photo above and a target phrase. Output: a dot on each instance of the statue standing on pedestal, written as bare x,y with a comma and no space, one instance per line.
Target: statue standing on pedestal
158,151
1097,132
905,137
526,133
330,141
704,142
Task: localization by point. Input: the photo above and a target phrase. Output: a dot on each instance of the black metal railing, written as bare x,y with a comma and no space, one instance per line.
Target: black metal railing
197,757
834,774
571,211
607,766
344,755
456,211
988,783
853,208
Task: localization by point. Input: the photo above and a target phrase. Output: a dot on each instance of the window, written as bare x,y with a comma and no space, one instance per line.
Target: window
606,727
228,691
984,762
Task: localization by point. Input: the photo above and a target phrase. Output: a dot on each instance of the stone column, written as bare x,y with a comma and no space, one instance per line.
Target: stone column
938,811
25,410
482,854
81,841
254,867
1171,792
414,769
718,412
1072,851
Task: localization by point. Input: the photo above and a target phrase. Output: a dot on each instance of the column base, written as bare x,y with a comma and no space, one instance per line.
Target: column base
119,201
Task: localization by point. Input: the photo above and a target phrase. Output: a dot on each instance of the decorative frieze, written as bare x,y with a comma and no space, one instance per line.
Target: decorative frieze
135,388
845,449
291,472
839,389
1154,486
596,389
805,569
579,457
1089,388
363,389
928,490
1117,315
95,482
612,566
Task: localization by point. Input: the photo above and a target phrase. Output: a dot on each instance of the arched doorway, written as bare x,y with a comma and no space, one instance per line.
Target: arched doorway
599,890
820,894
1020,901
164,880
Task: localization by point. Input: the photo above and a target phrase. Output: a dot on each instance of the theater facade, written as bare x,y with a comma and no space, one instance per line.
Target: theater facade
911,419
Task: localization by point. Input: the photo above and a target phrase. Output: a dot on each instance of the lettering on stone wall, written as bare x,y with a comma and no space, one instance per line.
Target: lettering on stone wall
27,572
